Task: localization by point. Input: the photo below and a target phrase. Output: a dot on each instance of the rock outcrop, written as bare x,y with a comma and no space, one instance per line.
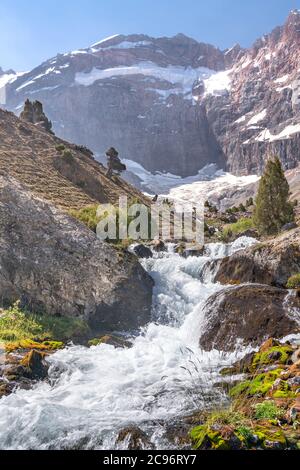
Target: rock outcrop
247,314
260,114
33,112
56,265
272,262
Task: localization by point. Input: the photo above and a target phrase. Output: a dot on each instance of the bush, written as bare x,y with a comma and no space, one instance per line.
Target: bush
60,147
238,227
88,216
18,324
294,282
267,410
68,156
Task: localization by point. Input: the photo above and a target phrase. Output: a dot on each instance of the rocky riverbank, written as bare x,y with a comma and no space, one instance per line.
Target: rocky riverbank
265,403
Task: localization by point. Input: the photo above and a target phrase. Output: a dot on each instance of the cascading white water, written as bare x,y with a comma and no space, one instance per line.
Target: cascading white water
94,392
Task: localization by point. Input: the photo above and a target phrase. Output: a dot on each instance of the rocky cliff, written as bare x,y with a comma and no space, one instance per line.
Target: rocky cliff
135,92
260,114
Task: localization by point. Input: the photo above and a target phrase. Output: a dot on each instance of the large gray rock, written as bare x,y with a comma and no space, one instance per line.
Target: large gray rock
247,315
56,265
271,262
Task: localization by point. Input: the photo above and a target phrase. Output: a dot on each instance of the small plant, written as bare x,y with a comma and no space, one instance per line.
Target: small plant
268,410
238,227
18,324
68,156
60,147
293,282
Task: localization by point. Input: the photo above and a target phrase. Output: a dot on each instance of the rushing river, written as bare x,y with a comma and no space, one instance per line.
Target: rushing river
94,392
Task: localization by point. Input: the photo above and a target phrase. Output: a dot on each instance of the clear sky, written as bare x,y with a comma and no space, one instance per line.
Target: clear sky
34,30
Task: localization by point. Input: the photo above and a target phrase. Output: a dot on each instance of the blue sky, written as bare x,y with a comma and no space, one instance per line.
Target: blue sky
34,30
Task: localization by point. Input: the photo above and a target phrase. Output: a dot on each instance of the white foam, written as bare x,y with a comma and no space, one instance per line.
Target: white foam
94,392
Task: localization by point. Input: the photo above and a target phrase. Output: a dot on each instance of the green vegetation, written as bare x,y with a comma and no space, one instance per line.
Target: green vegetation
272,206
17,325
237,228
259,385
88,216
294,282
68,156
268,410
281,353
262,414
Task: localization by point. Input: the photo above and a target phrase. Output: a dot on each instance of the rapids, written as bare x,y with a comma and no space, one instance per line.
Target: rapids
94,392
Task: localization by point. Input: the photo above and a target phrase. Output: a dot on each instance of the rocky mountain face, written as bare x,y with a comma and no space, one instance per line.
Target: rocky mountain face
54,264
134,92
174,104
261,113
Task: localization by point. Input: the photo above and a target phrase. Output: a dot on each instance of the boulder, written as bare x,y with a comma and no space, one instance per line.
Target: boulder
142,251
246,315
159,246
114,341
35,365
272,262
134,439
56,265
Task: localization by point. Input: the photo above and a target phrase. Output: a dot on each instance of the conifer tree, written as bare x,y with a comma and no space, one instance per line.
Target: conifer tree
272,206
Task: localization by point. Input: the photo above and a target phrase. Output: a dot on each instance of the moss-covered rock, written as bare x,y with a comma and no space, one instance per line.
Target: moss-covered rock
115,341
30,344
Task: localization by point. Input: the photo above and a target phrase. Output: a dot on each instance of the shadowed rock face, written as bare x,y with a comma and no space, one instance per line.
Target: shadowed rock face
134,92
270,263
249,314
56,265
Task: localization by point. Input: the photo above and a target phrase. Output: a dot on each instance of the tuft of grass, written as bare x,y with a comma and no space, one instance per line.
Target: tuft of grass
60,147
268,410
238,227
88,216
293,282
18,325
68,156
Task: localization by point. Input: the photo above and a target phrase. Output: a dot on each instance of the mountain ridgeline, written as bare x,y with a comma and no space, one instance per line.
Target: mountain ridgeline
174,104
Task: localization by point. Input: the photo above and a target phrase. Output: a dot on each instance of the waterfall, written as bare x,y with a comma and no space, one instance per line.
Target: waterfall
94,392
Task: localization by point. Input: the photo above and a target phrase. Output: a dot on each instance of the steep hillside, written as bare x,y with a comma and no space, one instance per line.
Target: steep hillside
57,171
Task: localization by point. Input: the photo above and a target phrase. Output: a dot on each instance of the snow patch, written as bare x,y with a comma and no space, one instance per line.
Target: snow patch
282,79
183,78
258,117
105,40
218,83
266,136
